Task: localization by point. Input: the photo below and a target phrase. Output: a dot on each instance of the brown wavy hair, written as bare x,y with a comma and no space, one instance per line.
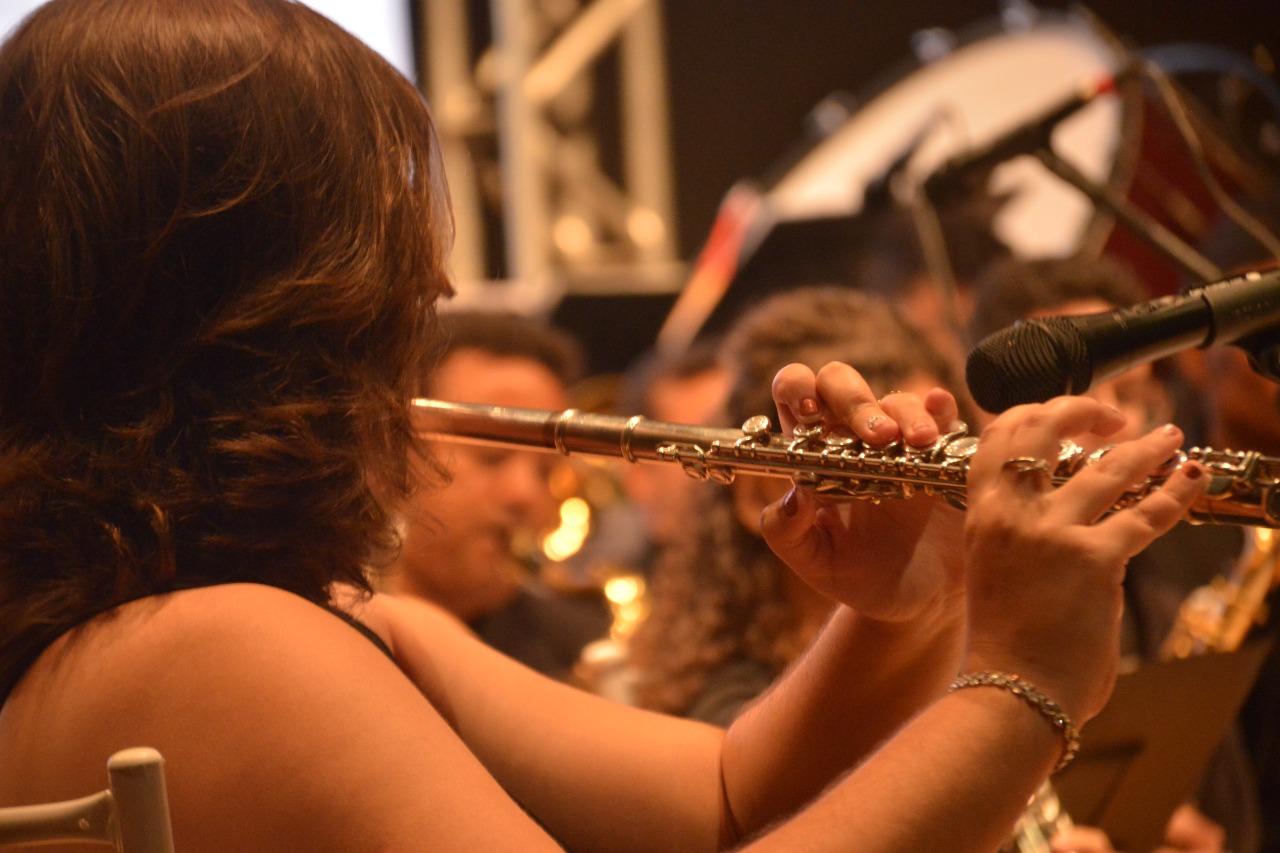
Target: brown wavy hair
222,236
718,592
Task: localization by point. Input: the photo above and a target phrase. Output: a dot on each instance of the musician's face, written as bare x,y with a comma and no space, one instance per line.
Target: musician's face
459,538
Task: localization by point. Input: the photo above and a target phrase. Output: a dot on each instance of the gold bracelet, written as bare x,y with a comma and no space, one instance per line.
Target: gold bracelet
1028,693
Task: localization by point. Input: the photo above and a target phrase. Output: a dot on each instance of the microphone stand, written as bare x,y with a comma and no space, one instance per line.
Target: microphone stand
1143,224
1263,349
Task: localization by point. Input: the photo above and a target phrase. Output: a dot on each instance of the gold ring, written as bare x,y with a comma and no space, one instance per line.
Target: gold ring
1028,465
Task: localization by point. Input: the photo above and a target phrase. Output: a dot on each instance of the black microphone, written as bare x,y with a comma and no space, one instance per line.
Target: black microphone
1035,360
1024,139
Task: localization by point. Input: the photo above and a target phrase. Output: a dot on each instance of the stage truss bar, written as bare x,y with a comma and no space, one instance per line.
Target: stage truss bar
525,111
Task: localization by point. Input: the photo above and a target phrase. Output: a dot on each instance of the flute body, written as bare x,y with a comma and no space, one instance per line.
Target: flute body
1243,484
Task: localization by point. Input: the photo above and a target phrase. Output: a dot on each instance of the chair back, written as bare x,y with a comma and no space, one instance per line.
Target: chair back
132,813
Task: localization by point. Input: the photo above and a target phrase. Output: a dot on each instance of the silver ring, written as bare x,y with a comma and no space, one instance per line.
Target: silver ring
1028,465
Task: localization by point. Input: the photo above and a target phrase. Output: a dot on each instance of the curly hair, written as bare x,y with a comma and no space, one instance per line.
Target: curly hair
223,234
1014,289
718,593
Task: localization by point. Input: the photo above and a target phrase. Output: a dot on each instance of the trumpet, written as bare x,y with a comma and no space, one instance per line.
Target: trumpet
834,463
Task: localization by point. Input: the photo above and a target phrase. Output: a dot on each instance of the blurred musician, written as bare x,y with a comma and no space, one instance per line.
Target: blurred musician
462,541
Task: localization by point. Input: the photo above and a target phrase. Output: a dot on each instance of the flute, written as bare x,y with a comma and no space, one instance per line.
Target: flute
1242,486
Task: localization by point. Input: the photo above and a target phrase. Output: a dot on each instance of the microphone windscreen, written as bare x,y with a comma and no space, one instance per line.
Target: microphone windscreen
1028,363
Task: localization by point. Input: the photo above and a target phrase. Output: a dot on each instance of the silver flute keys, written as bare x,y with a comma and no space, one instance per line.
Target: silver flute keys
834,463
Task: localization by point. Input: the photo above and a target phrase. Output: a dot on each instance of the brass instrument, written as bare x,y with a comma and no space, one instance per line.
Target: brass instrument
1242,486
1217,617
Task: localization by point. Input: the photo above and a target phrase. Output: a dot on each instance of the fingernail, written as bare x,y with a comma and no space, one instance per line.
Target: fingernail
1170,429
809,407
791,503
1193,471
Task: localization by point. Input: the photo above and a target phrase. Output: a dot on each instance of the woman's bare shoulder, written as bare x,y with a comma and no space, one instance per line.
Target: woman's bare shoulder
265,706
213,608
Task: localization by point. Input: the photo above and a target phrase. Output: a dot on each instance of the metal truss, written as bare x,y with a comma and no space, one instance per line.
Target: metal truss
521,110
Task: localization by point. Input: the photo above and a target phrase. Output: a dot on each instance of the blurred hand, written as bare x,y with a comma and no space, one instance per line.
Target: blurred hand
1189,831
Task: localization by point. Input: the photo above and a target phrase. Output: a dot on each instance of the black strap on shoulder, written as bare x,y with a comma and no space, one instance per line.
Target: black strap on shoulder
368,632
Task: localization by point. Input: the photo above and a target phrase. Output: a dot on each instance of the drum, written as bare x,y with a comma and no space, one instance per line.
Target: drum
957,100
961,99
966,93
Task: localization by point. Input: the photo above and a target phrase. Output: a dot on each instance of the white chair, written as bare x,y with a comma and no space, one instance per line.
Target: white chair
132,814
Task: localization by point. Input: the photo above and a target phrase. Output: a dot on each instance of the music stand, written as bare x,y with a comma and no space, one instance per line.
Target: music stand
1144,755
